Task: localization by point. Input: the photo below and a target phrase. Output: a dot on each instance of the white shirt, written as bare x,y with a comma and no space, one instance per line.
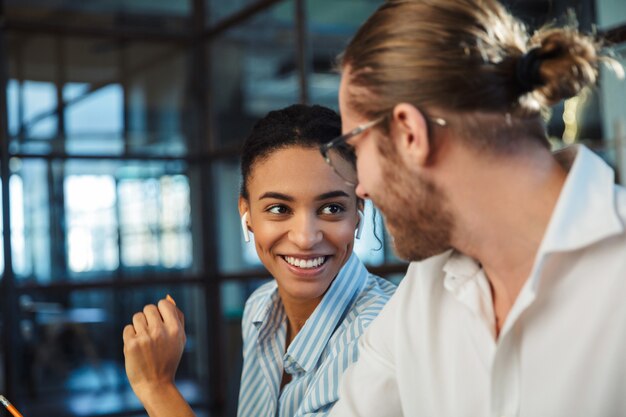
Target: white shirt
562,349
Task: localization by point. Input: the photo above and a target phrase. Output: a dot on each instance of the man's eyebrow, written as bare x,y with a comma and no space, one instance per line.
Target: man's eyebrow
277,196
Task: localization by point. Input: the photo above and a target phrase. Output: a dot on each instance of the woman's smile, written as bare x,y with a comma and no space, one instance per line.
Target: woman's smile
306,267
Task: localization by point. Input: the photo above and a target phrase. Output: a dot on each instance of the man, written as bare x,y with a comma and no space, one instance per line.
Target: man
515,302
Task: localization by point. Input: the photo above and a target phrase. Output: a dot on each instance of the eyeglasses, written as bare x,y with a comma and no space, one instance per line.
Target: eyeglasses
339,164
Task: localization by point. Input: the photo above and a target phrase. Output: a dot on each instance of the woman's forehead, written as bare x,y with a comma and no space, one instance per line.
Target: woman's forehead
297,171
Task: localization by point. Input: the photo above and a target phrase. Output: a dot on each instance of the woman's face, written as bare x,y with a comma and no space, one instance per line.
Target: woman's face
303,217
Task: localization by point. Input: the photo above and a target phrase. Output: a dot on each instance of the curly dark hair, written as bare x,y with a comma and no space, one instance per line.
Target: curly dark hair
296,125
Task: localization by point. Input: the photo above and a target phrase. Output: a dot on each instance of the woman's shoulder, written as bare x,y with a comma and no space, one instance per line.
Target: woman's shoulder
263,292
377,287
260,297
372,298
366,306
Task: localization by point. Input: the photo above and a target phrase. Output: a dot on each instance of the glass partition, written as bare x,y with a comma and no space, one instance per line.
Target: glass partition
125,218
253,72
71,360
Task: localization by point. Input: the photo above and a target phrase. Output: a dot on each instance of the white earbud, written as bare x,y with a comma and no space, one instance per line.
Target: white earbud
359,227
244,227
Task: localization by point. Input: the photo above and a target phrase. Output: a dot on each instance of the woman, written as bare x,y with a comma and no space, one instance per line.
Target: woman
300,331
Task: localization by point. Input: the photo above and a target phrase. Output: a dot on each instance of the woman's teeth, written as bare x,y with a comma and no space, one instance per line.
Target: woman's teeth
305,263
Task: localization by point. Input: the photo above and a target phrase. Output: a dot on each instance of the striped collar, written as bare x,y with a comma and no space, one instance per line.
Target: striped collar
306,348
269,308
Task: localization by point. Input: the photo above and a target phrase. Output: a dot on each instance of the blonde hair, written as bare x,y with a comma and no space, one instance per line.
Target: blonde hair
463,57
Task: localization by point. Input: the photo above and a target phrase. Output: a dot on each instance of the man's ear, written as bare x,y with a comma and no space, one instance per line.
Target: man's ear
411,134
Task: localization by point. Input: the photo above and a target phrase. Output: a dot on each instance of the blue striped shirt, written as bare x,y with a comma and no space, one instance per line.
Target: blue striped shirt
317,356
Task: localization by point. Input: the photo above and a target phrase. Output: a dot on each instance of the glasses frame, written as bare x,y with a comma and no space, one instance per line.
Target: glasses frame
326,147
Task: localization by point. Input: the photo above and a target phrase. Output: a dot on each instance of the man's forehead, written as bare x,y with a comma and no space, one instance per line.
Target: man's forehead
349,117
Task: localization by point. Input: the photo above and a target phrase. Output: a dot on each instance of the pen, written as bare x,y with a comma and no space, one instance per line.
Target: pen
10,407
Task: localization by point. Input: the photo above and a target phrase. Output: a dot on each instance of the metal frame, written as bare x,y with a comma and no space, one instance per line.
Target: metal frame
7,285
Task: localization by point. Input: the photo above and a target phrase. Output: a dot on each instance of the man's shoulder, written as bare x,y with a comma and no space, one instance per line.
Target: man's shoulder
430,270
620,201
423,279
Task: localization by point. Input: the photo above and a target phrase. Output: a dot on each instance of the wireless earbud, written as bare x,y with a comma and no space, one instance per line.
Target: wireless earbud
359,228
244,227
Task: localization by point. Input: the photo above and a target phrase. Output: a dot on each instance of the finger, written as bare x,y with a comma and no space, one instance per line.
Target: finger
128,333
171,314
153,316
170,299
140,323
181,317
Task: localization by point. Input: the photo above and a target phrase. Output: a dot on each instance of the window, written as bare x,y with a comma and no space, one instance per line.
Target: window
92,224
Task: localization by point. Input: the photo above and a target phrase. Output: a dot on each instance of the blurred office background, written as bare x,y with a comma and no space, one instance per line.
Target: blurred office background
121,123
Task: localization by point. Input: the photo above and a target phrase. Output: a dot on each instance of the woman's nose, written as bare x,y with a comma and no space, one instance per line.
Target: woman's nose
306,232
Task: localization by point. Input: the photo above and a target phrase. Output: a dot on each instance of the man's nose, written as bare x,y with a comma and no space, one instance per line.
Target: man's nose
360,191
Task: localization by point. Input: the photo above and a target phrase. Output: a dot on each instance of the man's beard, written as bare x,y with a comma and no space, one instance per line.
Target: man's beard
415,212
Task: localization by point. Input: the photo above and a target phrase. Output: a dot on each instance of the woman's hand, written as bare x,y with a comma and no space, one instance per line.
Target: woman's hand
153,346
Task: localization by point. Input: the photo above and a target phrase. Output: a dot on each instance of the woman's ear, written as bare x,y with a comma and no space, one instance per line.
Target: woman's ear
243,206
360,204
360,208
244,212
411,131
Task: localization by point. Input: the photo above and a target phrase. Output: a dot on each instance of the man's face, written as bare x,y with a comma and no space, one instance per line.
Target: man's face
414,208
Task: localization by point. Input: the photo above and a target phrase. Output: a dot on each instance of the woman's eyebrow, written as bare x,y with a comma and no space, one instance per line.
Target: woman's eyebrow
325,196
332,194
277,196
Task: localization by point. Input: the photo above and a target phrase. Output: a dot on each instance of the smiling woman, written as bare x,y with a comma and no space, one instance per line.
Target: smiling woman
300,331
303,222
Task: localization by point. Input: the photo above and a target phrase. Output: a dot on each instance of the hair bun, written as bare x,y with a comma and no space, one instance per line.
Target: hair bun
565,61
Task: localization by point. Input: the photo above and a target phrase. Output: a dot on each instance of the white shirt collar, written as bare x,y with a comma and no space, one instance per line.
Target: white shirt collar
585,212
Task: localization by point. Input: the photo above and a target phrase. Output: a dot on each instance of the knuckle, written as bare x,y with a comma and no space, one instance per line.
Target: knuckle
143,341
130,345
157,333
174,333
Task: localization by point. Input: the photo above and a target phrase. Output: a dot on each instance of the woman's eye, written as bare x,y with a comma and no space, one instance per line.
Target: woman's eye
278,210
332,209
